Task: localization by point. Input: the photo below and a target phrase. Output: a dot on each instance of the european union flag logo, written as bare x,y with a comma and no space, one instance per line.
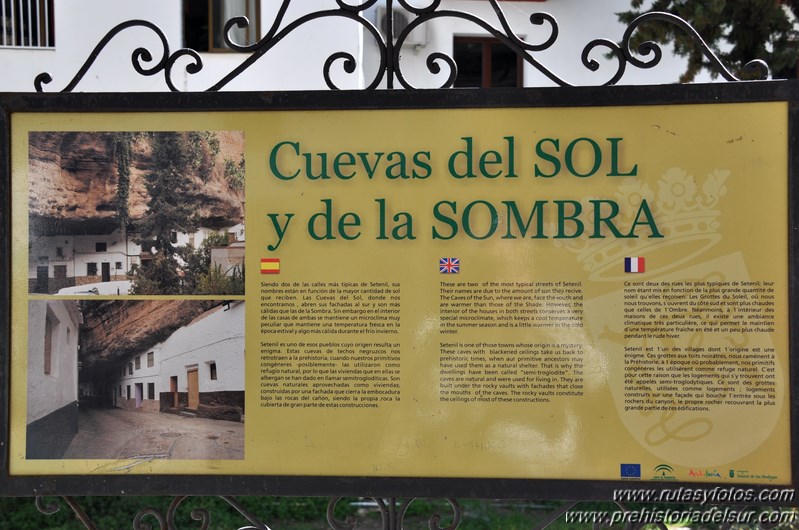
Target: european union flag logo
630,471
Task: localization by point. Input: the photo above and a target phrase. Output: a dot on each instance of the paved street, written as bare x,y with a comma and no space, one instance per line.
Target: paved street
135,434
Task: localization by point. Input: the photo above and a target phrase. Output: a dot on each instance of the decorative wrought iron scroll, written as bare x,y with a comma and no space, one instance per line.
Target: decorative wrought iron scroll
647,55
145,516
393,515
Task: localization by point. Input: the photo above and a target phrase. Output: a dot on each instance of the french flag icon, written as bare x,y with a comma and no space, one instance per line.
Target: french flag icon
634,265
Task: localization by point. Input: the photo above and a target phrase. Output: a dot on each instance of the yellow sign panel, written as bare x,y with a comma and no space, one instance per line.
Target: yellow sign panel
543,293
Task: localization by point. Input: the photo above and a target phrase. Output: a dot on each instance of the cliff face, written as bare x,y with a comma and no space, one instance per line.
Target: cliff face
73,178
114,330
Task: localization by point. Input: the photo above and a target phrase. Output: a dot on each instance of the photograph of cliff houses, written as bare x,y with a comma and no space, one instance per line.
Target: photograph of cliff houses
139,213
135,379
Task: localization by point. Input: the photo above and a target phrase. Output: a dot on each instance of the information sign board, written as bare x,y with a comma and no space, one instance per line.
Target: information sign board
425,291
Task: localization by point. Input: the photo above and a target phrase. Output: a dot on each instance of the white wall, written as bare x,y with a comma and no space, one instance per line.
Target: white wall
229,259
78,251
43,251
142,375
216,336
296,61
81,24
579,22
50,392
195,239
118,249
79,27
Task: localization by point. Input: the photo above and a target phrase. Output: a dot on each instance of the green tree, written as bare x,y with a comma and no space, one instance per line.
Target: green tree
738,31
161,275
170,208
123,155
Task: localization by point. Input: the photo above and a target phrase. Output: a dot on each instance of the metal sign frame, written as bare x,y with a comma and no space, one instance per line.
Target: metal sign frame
451,99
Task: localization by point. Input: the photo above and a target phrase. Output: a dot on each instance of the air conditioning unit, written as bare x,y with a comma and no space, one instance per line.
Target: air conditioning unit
416,39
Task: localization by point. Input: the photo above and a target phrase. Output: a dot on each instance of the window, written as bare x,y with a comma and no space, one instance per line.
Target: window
150,359
128,391
91,269
150,390
50,326
59,252
212,370
118,265
137,360
204,23
485,63
173,236
27,23
130,368
100,246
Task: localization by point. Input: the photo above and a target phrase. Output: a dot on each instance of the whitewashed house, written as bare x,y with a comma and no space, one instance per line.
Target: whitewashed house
199,368
52,411
230,258
61,261
76,264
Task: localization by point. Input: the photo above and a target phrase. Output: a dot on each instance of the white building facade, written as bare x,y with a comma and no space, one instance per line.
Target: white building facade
63,261
56,262
52,408
199,368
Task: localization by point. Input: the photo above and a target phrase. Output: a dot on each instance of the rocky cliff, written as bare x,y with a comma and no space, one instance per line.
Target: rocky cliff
113,330
74,177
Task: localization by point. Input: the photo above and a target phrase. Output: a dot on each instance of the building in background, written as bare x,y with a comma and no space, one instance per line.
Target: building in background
57,38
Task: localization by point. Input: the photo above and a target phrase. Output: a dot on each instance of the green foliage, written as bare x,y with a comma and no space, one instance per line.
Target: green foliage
178,160
123,155
234,173
119,512
212,140
159,276
189,271
202,149
169,208
738,31
197,262
216,281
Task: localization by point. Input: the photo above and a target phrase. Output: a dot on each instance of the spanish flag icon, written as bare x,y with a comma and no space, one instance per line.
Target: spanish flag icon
270,265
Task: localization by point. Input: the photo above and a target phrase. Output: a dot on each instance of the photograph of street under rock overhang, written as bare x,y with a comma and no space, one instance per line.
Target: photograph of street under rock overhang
135,379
